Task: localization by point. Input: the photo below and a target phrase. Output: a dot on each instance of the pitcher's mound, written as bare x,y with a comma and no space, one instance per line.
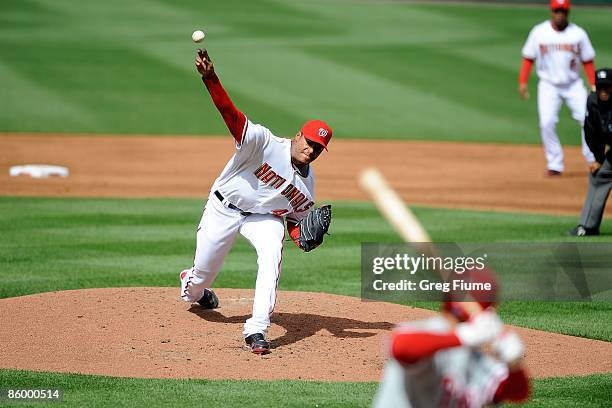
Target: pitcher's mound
150,332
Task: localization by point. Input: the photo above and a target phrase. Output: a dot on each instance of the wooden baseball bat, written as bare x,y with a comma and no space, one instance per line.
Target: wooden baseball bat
392,207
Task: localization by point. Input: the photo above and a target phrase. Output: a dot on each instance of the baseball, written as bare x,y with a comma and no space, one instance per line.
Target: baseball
198,36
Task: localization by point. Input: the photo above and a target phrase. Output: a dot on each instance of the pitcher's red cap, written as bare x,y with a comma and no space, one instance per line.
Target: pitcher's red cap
317,131
559,4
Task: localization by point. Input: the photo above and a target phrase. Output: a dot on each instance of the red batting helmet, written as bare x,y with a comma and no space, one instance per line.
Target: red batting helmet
485,298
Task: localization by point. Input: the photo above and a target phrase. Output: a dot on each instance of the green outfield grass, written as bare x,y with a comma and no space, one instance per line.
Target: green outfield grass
95,391
372,69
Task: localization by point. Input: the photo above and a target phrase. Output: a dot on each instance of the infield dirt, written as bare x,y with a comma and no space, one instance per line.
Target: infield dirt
440,174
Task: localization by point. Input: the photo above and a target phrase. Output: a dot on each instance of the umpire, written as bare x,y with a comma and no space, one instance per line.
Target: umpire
598,134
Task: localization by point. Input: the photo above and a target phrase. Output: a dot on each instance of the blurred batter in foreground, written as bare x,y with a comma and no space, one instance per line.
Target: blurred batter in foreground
440,362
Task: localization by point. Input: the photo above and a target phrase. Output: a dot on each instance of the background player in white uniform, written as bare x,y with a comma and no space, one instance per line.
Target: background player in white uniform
558,47
438,362
268,178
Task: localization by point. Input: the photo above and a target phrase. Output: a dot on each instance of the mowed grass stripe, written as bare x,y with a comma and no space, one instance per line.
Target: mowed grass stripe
371,69
56,244
98,391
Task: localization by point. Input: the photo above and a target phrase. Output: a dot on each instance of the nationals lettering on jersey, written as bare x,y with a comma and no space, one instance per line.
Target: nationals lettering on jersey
260,177
296,198
546,48
558,53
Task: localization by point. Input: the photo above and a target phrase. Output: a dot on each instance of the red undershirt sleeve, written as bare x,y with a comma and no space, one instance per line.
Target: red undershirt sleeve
409,347
514,388
525,70
234,119
589,70
294,232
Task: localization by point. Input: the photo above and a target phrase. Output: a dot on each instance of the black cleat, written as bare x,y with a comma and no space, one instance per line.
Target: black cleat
258,343
581,231
209,300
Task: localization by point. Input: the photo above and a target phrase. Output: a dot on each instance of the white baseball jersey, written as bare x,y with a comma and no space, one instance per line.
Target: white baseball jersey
454,377
261,179
558,54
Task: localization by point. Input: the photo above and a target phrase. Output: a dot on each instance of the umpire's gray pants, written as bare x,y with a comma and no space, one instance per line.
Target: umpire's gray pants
595,202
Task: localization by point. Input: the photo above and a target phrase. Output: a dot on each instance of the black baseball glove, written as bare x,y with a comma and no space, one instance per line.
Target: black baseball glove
313,227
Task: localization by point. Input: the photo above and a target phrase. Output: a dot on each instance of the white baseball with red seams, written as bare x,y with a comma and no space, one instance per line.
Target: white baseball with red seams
198,36
559,56
259,179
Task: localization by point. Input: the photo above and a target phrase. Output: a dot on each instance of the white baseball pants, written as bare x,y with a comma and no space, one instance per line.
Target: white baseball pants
216,234
550,98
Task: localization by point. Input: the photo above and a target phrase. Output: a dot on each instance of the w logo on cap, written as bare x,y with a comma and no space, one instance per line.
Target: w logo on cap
317,131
